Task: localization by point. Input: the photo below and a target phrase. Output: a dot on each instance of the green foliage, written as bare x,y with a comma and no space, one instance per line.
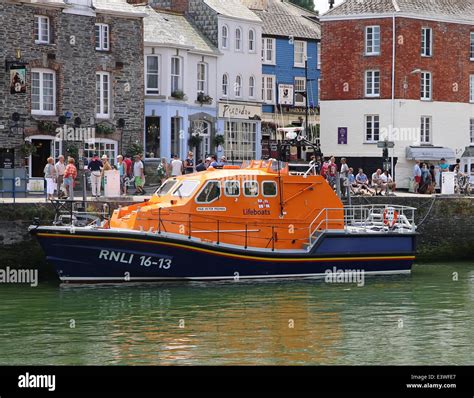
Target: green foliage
72,151
194,141
178,94
27,149
308,4
47,126
218,140
135,149
104,129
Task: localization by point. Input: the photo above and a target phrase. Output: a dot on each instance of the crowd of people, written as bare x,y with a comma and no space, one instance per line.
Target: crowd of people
380,183
425,175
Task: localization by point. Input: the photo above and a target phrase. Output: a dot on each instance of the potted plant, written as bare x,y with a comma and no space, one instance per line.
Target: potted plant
134,149
218,140
194,141
46,127
178,94
102,128
204,99
27,149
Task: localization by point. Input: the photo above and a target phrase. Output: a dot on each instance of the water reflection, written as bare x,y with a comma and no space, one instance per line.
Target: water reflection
426,318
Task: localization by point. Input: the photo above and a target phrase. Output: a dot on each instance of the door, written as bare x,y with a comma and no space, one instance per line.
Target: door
152,143
39,158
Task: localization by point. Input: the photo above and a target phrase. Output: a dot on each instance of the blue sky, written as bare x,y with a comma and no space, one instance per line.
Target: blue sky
323,5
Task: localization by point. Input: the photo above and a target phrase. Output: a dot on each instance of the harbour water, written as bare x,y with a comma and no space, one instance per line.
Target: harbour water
423,319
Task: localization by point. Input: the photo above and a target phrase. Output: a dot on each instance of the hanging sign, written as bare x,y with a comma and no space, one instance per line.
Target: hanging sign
285,94
17,79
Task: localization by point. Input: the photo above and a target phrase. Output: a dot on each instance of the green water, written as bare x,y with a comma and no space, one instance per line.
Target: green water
425,318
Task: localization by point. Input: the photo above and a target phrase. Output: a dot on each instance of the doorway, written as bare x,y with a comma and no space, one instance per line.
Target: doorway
39,158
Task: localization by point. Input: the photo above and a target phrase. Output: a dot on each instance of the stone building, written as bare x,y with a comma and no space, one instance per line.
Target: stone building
74,63
399,70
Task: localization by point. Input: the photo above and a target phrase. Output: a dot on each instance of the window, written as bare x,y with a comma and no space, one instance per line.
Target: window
252,41
268,51
103,95
426,42
426,86
101,147
166,187
300,90
471,89
269,188
252,87
43,92
425,130
232,188
202,77
240,139
268,89
176,129
186,188
42,29
251,188
300,53
372,83
225,85
372,40
238,86
318,55
472,47
372,128
152,74
210,192
472,131
175,74
101,37
152,136
225,37
238,39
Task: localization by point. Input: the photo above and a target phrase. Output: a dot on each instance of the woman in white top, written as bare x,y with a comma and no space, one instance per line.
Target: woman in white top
50,177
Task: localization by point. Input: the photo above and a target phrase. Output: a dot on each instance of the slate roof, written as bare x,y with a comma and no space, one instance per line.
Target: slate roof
232,9
174,30
281,18
115,6
462,10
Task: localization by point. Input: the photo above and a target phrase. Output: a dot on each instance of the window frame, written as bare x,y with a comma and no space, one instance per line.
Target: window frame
225,37
232,182
372,44
238,86
100,114
471,55
103,27
252,40
423,85
174,189
269,182
202,190
205,81
42,111
423,120
252,86
257,185
238,40
373,86
111,153
471,130
225,93
157,91
178,76
426,45
265,89
300,78
471,89
304,54
265,49
39,28
373,139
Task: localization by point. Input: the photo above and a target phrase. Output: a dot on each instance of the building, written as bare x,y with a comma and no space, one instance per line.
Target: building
401,70
236,32
291,35
180,86
76,64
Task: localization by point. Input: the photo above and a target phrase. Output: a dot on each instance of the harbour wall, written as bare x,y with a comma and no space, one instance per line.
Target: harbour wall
446,229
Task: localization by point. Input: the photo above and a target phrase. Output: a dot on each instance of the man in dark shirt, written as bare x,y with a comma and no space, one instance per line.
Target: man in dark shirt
95,167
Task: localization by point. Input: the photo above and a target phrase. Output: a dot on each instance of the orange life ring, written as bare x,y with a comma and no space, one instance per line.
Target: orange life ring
390,217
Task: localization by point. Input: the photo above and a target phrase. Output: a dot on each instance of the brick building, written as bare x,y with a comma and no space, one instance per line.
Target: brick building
402,70
77,63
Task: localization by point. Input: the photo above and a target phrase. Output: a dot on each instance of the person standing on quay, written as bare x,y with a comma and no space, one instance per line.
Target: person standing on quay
60,168
50,176
139,175
70,175
95,167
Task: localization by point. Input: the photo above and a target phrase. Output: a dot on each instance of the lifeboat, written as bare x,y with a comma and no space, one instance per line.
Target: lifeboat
259,220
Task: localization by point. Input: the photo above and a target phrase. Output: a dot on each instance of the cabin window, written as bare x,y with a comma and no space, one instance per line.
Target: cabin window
186,188
232,188
251,188
166,188
269,188
210,192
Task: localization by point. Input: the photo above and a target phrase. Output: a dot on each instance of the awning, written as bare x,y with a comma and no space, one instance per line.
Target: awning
429,153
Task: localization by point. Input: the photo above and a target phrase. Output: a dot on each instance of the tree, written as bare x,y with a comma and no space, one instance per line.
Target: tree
308,4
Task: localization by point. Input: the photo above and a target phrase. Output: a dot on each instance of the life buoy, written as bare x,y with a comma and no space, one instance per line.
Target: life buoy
390,217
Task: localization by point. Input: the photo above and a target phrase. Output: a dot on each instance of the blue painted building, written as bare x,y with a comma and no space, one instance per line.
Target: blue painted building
291,35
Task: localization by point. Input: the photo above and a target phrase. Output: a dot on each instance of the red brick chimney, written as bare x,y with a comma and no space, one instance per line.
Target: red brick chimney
180,6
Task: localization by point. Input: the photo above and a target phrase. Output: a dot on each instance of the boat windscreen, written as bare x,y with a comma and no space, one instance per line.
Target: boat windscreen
165,188
186,188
